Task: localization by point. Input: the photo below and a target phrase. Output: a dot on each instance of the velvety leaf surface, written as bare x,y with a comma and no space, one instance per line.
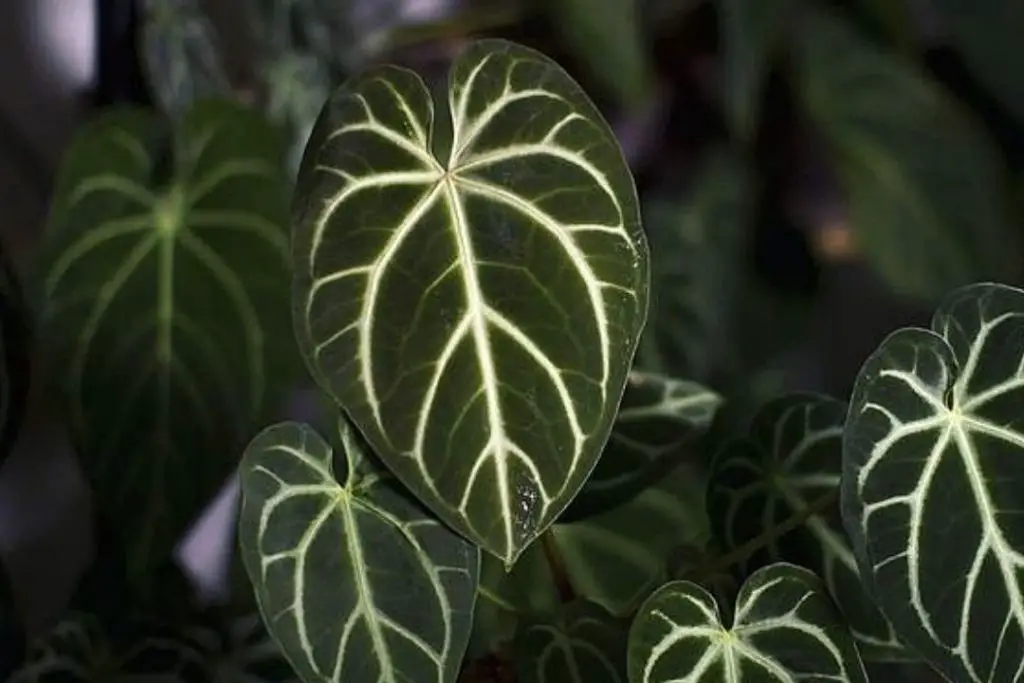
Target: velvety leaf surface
785,629
354,580
931,483
470,283
925,185
784,469
581,643
658,419
164,293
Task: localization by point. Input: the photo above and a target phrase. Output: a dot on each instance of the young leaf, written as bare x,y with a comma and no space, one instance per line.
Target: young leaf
354,580
751,33
239,649
80,649
987,34
925,186
15,358
470,288
580,644
164,289
931,483
181,53
658,418
785,630
788,465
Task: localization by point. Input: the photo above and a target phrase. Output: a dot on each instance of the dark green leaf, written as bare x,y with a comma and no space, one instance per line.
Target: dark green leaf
181,53
471,288
784,469
164,295
987,33
785,630
751,31
659,421
580,644
927,195
610,45
932,480
353,579
80,649
237,648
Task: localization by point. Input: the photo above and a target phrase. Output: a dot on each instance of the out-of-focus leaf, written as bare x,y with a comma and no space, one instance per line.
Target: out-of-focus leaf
181,53
987,33
15,358
609,41
928,200
750,32
581,643
12,634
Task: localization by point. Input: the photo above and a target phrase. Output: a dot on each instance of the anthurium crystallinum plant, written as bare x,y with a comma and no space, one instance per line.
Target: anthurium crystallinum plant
507,483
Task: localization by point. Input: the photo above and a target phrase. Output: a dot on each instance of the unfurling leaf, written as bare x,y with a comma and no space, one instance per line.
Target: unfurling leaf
164,292
925,185
785,629
471,282
788,467
932,478
658,419
353,579
581,643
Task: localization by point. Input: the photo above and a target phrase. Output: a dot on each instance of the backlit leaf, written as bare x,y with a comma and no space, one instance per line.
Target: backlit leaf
925,185
353,579
470,286
789,463
659,417
932,480
785,629
582,643
164,293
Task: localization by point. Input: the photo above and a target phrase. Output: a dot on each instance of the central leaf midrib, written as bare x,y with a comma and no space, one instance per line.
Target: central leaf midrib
475,309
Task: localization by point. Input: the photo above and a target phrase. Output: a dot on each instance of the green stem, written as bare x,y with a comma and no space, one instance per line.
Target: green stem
741,553
563,584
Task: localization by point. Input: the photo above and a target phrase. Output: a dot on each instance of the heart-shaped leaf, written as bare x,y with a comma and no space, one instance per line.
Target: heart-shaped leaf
15,358
582,643
164,290
788,468
931,483
785,629
354,580
80,649
657,419
924,183
470,288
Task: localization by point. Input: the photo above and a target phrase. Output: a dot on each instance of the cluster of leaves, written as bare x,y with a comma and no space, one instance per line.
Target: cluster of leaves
554,449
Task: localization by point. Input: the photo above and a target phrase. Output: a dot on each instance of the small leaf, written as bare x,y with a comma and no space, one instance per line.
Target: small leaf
354,580
786,629
751,32
658,418
164,290
925,186
15,358
181,54
610,44
790,462
987,34
470,289
931,483
80,649
237,648
581,644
